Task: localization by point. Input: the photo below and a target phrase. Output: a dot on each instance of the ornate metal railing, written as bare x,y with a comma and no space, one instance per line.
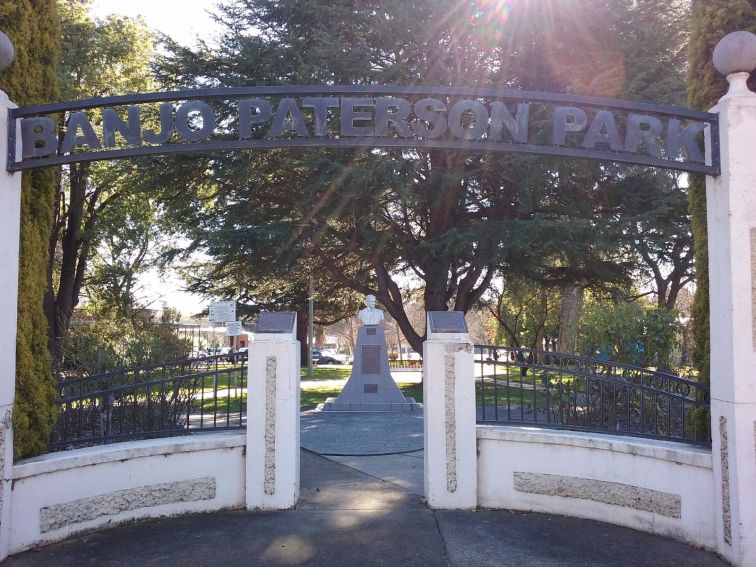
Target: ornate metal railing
161,400
519,386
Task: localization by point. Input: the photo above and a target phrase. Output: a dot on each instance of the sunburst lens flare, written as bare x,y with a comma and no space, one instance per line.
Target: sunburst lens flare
496,11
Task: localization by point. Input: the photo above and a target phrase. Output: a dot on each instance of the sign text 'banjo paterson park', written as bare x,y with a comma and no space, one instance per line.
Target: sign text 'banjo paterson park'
412,117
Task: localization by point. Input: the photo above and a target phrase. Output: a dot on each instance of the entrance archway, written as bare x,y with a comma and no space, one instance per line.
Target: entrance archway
428,117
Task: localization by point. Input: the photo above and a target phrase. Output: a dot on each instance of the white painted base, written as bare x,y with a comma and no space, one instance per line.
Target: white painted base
658,487
273,424
60,494
449,424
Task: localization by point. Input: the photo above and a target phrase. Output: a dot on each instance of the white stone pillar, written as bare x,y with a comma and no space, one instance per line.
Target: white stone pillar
451,461
10,226
731,206
273,417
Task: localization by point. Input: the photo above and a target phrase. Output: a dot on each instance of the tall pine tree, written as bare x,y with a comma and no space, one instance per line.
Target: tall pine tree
33,27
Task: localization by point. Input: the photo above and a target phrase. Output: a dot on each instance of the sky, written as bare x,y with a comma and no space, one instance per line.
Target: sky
182,20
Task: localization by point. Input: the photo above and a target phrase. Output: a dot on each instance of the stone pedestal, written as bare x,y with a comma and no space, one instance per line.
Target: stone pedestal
731,206
10,227
451,473
273,422
370,387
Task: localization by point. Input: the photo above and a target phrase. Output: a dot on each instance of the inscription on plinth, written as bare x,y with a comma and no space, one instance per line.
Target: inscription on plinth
370,388
447,322
276,322
371,359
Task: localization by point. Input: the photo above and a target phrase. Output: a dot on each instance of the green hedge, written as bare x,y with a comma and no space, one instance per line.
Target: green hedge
33,27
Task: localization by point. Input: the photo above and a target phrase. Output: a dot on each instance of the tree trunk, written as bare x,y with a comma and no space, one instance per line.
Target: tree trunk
570,307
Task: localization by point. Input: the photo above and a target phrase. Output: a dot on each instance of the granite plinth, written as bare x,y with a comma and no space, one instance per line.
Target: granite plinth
332,404
370,386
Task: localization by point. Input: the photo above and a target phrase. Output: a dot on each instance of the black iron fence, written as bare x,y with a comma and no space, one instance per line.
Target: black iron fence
520,386
159,400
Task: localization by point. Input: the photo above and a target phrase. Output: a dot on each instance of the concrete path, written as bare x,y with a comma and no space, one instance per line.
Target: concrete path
361,433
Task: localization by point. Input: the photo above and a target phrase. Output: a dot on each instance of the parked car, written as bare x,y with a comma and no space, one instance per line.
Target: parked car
234,356
319,357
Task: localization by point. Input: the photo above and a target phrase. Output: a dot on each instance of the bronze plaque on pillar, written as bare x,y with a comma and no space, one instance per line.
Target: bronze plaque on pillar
371,359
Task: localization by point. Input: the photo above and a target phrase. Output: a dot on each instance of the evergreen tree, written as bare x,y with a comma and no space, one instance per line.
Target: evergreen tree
712,20
451,218
33,27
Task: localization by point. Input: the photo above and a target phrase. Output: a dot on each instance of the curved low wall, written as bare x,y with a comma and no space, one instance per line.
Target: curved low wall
60,494
654,486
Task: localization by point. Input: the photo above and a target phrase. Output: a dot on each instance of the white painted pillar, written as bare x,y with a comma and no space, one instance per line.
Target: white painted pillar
273,420
451,461
10,227
731,205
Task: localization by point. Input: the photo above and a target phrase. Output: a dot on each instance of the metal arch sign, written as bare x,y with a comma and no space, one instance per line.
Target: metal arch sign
472,119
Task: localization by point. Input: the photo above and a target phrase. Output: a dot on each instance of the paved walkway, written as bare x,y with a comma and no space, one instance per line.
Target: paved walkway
361,433
376,518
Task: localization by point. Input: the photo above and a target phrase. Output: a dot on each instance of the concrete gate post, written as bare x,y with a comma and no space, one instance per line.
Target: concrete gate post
731,205
10,227
273,414
451,459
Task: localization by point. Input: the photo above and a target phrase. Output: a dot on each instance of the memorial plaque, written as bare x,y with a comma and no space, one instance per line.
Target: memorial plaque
370,332
447,322
371,359
370,388
269,322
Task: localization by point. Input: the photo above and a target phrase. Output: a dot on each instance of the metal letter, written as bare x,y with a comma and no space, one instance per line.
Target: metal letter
427,109
321,106
649,136
35,131
686,138
288,118
385,115
457,113
500,115
131,132
603,130
79,120
247,118
562,125
349,115
166,126
182,121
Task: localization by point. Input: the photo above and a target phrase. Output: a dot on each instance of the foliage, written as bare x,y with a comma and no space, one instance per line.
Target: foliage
33,27
635,333
452,219
525,312
106,344
99,58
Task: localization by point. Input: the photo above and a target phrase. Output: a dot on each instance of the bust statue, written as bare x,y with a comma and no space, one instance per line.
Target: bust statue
370,315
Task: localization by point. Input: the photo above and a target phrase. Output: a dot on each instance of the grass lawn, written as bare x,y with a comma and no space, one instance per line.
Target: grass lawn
312,393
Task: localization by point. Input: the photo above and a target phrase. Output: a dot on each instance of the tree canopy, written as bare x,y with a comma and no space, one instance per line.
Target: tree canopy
369,220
